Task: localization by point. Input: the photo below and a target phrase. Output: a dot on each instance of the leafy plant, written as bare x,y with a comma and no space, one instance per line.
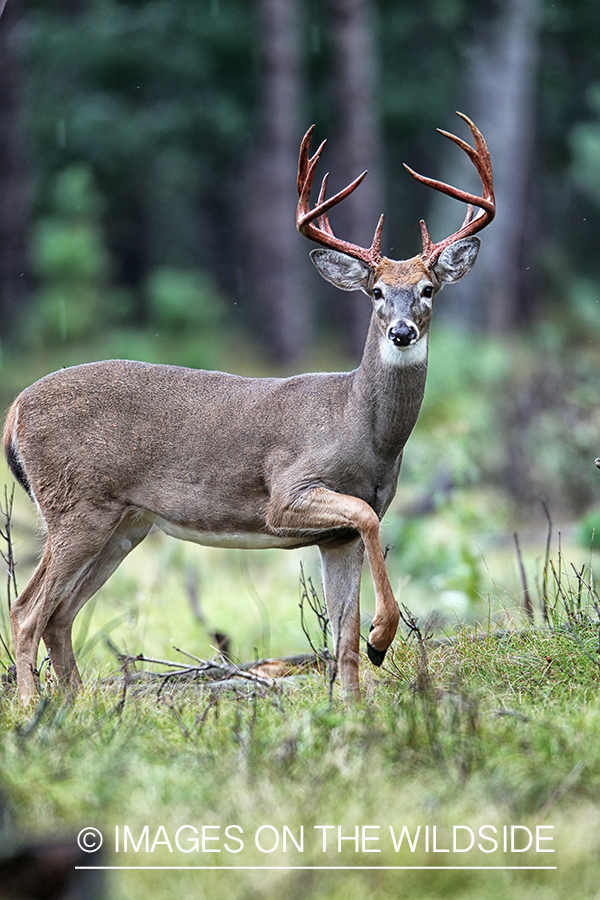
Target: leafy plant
71,262
179,299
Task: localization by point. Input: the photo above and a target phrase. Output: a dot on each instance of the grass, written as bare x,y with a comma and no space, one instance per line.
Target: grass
474,733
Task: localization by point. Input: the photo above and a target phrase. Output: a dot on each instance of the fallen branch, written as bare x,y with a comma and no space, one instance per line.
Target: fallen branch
219,673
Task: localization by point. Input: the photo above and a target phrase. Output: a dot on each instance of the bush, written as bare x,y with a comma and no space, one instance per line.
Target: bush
183,298
71,261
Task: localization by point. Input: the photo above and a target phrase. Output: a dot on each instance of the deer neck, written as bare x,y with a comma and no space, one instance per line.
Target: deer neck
390,384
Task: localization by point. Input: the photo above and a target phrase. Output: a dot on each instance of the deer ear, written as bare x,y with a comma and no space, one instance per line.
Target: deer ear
344,271
456,260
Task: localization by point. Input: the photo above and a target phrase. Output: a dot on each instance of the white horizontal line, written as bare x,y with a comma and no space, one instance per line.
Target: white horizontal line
312,868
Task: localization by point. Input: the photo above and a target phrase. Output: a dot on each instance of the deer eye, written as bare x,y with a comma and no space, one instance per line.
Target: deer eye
427,291
377,293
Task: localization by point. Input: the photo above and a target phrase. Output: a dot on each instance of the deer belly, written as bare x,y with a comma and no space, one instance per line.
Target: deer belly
246,541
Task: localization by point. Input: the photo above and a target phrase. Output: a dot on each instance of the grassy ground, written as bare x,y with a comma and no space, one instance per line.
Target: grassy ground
469,733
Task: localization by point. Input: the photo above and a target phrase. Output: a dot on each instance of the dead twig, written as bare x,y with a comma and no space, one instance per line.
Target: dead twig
309,595
526,598
546,563
423,682
8,557
215,672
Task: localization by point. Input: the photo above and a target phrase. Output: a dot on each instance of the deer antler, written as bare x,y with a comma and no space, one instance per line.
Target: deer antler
480,158
321,232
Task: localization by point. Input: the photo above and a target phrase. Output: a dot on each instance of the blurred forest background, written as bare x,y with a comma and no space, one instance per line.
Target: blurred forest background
148,154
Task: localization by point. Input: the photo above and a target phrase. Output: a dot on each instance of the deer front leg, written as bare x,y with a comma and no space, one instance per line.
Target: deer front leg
320,509
342,567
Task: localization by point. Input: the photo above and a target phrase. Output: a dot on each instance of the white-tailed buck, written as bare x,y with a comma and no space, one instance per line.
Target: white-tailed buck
109,450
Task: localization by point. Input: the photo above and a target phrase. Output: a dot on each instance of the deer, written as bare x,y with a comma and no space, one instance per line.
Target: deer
110,450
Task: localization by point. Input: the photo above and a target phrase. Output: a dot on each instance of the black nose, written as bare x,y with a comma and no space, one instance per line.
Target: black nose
403,334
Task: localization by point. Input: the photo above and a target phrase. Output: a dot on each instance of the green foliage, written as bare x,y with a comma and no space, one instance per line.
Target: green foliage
585,145
437,549
71,261
163,101
180,299
184,305
75,193
467,726
158,102
519,414
69,251
588,530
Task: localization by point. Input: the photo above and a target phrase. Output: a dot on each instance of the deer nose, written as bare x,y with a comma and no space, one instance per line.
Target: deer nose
403,333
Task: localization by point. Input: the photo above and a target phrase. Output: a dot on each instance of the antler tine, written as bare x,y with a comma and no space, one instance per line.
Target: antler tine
480,158
307,167
314,223
480,144
323,220
469,215
304,161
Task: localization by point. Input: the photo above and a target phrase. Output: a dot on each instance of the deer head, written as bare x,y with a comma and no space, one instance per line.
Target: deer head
401,291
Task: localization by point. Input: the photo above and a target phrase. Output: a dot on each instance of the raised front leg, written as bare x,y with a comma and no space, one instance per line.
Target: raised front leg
320,509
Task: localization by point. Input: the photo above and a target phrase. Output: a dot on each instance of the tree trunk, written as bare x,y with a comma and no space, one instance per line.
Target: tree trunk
275,259
502,74
14,194
358,141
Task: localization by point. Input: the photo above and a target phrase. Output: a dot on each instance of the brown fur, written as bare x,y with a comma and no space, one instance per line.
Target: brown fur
401,273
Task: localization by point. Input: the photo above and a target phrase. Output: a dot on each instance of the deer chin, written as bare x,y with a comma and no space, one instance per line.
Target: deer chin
413,355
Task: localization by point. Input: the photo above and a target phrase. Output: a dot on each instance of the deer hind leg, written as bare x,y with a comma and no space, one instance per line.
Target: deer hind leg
342,567
68,552
26,633
57,635
320,509
33,608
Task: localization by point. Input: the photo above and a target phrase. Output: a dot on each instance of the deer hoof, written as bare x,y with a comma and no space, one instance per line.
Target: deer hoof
376,656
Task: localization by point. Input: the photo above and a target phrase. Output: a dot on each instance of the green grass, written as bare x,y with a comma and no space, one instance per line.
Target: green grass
475,733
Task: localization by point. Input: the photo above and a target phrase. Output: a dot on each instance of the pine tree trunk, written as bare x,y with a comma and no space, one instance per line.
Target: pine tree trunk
358,141
502,75
275,258
14,194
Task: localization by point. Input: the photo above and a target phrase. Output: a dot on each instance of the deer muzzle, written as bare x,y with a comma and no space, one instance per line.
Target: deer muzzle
404,333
